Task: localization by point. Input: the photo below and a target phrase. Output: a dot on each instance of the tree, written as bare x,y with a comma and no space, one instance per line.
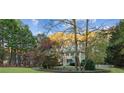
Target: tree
77,63
115,50
45,52
15,38
86,43
97,46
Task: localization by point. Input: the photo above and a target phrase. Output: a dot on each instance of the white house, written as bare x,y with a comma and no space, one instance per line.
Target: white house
68,55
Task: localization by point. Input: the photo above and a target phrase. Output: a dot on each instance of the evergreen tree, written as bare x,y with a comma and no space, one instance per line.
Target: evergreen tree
16,39
115,50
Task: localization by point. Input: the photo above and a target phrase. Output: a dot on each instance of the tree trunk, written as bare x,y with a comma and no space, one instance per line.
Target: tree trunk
3,52
10,60
86,43
77,63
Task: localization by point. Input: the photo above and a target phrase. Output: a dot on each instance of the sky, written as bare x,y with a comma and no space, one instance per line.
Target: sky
37,25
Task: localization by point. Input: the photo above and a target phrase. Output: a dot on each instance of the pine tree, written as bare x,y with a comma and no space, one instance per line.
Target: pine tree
115,51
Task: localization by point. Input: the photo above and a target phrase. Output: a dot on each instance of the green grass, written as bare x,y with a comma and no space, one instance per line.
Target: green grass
30,70
116,70
18,70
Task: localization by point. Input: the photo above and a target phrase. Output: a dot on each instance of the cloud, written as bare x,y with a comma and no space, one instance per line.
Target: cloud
35,21
37,32
50,33
93,20
106,27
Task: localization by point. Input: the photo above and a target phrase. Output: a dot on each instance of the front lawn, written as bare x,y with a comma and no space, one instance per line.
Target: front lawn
116,70
18,70
30,70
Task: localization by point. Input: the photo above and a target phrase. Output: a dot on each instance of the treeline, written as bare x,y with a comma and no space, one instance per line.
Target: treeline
18,46
15,41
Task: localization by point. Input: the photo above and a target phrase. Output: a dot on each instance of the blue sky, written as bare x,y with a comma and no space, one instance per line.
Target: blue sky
36,25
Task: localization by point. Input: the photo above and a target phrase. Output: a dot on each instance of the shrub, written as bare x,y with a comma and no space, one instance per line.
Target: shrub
72,64
50,61
82,62
90,65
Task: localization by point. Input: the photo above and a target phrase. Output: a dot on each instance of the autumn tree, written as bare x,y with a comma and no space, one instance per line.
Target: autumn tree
44,52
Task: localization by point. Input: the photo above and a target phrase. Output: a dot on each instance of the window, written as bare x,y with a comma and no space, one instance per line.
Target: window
69,61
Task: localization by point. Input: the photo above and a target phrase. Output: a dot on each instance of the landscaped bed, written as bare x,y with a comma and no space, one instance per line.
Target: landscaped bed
70,69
